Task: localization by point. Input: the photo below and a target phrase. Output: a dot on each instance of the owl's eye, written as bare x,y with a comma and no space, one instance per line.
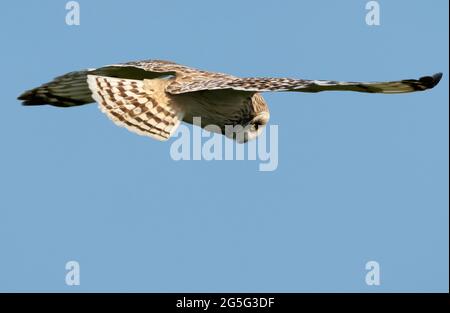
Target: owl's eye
255,126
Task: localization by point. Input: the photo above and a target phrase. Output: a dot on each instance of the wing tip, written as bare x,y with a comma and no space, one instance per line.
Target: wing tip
23,96
431,81
31,97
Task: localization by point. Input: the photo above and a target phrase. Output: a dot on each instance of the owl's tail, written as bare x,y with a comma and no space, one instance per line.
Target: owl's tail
67,90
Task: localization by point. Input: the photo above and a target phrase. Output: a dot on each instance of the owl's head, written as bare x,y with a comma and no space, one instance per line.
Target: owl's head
253,128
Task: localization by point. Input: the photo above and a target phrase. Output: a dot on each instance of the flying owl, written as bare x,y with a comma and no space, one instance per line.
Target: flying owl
152,97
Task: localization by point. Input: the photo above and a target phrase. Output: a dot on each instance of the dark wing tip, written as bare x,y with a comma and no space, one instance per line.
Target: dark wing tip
30,98
431,81
24,96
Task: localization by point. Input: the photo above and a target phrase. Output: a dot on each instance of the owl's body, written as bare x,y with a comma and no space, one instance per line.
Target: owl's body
152,97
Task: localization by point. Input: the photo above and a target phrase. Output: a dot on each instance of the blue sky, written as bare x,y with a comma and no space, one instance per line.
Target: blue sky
360,177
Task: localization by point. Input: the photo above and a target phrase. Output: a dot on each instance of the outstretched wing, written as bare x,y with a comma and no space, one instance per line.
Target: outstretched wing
301,85
72,89
141,106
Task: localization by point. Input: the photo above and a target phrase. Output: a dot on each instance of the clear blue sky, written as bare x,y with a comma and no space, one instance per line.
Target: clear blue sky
360,177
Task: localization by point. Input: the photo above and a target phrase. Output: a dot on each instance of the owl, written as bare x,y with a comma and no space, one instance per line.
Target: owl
152,97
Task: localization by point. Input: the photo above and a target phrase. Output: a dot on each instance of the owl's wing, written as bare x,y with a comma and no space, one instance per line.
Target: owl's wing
72,89
301,85
136,105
